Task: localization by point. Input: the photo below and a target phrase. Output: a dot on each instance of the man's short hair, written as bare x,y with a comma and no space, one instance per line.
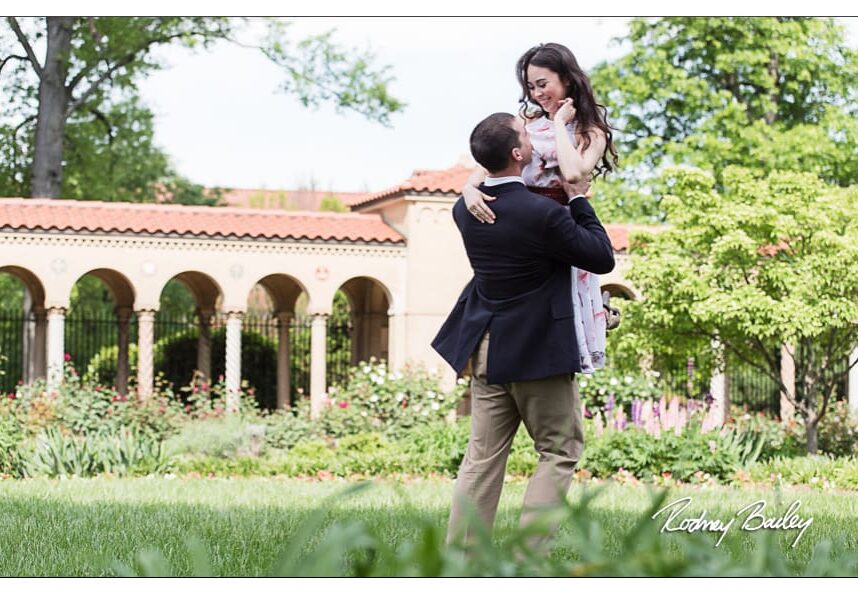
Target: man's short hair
492,141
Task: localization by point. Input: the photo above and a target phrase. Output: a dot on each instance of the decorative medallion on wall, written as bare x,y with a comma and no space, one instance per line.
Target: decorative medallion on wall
322,273
148,268
58,265
236,271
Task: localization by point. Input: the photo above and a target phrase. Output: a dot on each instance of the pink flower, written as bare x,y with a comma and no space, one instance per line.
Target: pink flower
204,387
343,404
67,356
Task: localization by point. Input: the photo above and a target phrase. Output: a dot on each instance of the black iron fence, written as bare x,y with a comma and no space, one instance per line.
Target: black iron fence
91,340
13,328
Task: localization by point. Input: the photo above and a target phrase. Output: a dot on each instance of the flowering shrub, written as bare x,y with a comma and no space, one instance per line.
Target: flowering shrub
390,402
606,387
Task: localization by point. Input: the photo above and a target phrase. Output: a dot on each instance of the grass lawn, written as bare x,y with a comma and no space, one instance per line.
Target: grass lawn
80,527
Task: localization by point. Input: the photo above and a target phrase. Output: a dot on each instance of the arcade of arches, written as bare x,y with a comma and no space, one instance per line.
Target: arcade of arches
397,258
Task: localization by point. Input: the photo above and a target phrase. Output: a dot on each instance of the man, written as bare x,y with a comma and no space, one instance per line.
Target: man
515,319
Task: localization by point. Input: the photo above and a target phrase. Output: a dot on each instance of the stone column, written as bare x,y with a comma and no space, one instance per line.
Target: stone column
396,341
204,343
318,362
788,377
233,359
145,352
284,382
123,318
39,354
56,345
852,389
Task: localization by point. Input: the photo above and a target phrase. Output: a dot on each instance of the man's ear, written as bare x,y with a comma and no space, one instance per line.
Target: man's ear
517,155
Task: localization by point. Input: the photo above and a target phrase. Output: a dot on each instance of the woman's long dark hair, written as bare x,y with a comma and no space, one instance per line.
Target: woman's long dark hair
588,113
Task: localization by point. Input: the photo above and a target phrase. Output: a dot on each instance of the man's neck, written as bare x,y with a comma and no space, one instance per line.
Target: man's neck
512,171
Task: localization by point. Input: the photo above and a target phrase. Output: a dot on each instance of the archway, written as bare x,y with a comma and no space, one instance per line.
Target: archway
269,329
99,326
184,329
23,327
369,302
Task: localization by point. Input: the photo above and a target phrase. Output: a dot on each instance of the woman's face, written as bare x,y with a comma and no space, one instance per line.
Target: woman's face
545,88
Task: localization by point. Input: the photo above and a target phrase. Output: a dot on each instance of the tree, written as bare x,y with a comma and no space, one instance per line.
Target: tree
90,61
764,262
331,203
763,93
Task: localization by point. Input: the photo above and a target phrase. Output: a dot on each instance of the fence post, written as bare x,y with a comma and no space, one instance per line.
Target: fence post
318,363
56,349
718,384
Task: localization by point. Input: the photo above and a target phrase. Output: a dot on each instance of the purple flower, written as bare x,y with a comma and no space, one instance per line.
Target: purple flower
609,405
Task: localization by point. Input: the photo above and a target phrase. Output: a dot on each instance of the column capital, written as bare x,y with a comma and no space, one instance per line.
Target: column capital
284,316
234,314
53,311
40,312
320,316
146,313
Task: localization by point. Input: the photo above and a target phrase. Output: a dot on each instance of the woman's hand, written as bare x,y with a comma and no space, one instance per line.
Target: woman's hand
566,112
475,201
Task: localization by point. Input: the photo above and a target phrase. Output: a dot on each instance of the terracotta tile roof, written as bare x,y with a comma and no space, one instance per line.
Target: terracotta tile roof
285,199
122,217
448,181
452,180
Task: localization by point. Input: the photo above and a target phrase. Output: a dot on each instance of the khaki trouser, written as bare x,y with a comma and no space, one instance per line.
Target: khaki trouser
551,411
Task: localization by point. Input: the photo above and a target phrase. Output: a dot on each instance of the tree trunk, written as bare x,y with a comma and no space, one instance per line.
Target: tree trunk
51,121
810,428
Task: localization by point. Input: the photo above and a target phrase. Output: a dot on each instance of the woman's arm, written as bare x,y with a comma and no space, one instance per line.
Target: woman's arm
475,200
575,165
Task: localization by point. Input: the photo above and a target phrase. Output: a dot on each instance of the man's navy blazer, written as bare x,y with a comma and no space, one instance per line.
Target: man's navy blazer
522,289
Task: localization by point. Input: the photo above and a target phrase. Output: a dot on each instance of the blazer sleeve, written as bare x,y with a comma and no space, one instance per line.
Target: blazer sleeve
576,237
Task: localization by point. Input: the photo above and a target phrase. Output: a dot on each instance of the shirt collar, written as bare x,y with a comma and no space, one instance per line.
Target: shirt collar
492,181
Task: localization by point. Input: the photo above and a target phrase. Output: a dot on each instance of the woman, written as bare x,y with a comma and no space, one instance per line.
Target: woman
571,140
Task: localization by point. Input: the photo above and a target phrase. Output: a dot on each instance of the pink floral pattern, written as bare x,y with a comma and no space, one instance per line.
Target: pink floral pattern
590,318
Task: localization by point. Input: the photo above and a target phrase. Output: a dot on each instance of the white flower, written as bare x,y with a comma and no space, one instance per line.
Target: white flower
363,413
614,381
367,369
400,397
628,379
430,394
373,398
582,384
460,381
435,406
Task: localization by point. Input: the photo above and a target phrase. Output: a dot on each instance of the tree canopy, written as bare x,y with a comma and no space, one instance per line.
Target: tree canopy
769,94
766,261
74,127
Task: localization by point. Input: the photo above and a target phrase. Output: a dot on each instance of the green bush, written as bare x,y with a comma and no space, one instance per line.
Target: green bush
393,403
284,429
821,472
596,389
176,358
219,438
646,456
57,454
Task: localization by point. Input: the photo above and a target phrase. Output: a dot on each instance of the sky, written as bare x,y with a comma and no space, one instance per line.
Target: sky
221,118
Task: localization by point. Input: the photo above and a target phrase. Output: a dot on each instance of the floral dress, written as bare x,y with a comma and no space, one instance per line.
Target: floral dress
590,323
